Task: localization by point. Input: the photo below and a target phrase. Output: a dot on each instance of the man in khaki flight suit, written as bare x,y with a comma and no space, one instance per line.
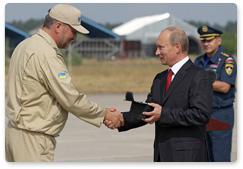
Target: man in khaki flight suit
40,91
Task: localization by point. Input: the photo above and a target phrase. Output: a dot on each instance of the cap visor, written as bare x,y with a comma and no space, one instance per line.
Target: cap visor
80,29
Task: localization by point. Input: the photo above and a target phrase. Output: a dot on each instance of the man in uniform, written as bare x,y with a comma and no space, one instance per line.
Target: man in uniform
216,59
40,91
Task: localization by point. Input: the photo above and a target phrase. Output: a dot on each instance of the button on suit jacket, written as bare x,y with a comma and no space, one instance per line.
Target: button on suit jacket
180,134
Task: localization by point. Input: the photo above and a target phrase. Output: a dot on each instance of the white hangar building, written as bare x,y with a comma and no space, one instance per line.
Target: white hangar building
147,29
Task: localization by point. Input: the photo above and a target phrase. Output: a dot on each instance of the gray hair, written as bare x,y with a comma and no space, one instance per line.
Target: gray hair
178,35
49,21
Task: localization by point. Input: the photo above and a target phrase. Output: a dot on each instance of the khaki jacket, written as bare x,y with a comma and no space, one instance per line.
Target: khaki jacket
40,91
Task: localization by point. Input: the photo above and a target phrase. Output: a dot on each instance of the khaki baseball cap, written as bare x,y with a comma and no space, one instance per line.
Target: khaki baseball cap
68,14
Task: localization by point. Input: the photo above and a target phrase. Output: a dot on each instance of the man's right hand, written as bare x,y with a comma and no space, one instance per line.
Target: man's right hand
113,118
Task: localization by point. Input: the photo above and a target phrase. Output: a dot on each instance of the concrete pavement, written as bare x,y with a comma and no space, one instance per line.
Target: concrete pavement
80,141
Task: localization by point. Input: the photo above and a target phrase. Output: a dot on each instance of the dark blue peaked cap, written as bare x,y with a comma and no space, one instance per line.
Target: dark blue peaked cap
207,32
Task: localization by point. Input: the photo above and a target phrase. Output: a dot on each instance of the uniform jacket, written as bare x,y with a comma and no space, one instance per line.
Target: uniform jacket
40,90
186,109
226,69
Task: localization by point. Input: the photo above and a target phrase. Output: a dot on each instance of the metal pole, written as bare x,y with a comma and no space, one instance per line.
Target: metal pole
70,59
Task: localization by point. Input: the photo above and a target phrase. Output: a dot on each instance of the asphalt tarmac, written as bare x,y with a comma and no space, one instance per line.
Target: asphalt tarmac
82,142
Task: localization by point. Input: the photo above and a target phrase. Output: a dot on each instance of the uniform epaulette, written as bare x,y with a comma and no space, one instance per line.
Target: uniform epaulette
225,54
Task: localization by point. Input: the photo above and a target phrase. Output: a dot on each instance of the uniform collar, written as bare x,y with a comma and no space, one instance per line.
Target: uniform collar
215,57
48,38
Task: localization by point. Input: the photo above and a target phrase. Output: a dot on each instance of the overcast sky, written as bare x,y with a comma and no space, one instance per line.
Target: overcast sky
219,13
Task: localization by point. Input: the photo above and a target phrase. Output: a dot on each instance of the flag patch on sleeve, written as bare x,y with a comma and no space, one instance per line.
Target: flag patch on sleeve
62,75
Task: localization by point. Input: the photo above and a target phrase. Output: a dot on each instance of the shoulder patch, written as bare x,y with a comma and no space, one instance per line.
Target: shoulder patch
225,54
62,75
229,68
230,60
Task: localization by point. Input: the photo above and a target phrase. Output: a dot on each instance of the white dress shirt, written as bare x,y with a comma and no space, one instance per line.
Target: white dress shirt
177,66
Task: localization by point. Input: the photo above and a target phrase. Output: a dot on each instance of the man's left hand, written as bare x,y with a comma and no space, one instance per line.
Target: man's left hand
154,115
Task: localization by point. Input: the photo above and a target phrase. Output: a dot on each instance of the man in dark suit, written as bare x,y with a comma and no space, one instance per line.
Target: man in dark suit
181,113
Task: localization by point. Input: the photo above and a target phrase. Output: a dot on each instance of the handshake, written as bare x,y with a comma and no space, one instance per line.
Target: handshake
113,118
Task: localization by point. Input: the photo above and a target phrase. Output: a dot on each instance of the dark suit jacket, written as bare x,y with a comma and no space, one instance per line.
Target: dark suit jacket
180,134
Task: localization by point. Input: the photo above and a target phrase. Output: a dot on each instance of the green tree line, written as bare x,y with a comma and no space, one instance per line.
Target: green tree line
28,25
229,36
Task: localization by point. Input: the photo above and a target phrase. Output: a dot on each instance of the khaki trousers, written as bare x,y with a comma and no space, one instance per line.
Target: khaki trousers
26,146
